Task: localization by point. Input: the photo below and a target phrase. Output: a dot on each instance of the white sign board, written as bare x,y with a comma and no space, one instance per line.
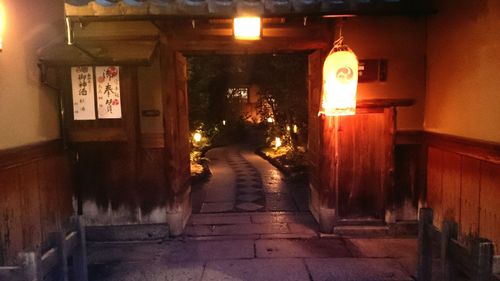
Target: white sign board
82,82
108,92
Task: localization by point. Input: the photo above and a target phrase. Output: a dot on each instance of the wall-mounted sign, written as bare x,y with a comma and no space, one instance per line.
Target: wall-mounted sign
82,82
108,92
372,70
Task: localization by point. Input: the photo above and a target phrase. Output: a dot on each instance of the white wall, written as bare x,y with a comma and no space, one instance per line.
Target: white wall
463,93
28,110
401,41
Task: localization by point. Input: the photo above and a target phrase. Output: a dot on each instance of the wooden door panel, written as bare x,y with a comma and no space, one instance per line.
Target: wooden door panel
361,158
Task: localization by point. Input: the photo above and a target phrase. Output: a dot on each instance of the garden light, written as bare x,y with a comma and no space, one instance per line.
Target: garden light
197,137
277,142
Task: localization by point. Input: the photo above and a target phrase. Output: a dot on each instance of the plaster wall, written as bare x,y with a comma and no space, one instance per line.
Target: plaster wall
463,97
150,97
401,41
28,110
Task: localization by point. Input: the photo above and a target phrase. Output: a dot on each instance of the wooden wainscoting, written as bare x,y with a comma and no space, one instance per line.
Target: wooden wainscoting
463,184
35,196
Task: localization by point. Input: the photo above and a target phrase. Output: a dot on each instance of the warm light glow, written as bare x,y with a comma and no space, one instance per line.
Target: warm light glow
197,137
270,120
224,122
247,28
277,142
2,25
288,128
295,129
340,81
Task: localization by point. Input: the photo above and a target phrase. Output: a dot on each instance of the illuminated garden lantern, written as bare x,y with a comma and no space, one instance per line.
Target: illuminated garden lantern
277,142
197,137
340,81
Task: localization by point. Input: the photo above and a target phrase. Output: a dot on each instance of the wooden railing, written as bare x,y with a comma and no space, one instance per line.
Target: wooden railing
476,264
34,266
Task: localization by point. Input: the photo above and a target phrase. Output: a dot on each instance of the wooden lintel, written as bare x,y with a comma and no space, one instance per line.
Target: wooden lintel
383,103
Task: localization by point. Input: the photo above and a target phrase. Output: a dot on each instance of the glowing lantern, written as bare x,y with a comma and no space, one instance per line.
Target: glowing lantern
295,129
277,142
340,81
197,137
2,25
224,122
247,28
288,128
270,120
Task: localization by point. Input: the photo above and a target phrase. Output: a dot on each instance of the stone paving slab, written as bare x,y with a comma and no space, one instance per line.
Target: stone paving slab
208,250
289,236
219,219
241,229
102,253
298,248
383,247
356,269
281,217
217,207
256,269
187,271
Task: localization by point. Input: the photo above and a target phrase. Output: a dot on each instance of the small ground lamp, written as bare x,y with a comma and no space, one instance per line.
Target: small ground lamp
247,28
277,142
197,137
340,81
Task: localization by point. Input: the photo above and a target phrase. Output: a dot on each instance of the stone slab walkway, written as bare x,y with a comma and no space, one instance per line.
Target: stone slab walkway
255,246
252,225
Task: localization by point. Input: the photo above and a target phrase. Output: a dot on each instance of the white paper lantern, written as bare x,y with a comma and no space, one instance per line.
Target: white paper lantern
340,81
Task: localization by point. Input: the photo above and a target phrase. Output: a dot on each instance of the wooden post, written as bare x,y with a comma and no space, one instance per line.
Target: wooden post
424,266
80,255
449,231
62,255
31,266
483,261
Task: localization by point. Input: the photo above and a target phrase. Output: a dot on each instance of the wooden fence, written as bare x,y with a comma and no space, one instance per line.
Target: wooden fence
476,264
34,266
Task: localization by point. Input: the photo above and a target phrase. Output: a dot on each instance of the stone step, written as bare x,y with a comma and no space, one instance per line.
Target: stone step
364,231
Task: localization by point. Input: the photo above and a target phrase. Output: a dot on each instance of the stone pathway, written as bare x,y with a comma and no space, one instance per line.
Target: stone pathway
251,225
241,181
273,246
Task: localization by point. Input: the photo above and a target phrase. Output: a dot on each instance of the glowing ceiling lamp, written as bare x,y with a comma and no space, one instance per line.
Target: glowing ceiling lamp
2,25
247,28
340,81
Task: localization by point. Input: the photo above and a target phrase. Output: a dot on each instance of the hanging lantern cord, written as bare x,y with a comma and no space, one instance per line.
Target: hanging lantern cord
338,44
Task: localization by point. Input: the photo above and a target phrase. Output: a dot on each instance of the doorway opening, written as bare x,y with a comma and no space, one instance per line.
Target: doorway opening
240,105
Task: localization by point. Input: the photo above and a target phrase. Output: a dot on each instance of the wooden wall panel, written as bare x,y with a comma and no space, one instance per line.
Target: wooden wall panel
463,184
489,219
36,197
451,171
434,184
469,198
10,216
30,205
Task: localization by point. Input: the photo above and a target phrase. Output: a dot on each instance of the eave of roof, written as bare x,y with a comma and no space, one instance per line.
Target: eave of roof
231,8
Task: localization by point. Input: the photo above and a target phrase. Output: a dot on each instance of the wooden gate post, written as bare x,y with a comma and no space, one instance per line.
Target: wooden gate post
80,271
483,260
62,255
31,266
449,232
424,266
